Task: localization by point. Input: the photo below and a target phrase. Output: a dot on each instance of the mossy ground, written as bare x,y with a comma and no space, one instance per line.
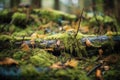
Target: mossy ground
35,63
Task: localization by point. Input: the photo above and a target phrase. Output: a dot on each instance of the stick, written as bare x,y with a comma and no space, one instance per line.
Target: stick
93,69
80,18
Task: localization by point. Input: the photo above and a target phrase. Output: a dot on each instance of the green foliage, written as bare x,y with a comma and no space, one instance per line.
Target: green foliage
7,28
6,42
5,16
108,19
70,74
101,19
42,58
29,72
113,34
53,15
19,19
19,16
20,34
73,44
112,74
93,21
5,38
19,55
4,13
65,35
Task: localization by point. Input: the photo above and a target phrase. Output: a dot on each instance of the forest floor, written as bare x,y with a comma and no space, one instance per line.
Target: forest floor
51,45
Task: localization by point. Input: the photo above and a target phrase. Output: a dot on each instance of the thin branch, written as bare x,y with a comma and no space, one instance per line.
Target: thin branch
80,19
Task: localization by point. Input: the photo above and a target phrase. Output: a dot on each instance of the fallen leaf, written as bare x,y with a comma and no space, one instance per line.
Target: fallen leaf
36,35
25,47
72,63
57,65
109,32
88,43
84,29
88,68
41,36
49,49
66,27
8,61
98,74
100,51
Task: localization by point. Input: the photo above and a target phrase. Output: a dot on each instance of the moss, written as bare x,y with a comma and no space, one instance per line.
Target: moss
5,16
19,19
6,28
74,45
19,55
112,74
6,42
5,38
53,15
29,72
70,74
42,58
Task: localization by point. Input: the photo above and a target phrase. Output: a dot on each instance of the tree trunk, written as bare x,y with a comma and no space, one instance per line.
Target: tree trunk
112,7
56,4
109,7
14,3
36,3
93,5
117,9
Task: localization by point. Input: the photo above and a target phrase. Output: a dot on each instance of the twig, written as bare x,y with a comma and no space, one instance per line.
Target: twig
75,39
11,22
93,69
80,18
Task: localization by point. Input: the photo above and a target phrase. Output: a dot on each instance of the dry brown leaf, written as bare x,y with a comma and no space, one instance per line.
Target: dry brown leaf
88,43
32,42
57,65
36,35
49,49
75,25
84,29
100,51
66,27
72,63
25,47
73,30
8,61
88,68
41,36
47,25
111,59
109,33
98,74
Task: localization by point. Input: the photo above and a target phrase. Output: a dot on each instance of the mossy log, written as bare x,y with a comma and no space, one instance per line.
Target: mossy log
105,43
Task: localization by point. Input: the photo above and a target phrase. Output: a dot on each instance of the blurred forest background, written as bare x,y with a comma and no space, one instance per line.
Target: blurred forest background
109,7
